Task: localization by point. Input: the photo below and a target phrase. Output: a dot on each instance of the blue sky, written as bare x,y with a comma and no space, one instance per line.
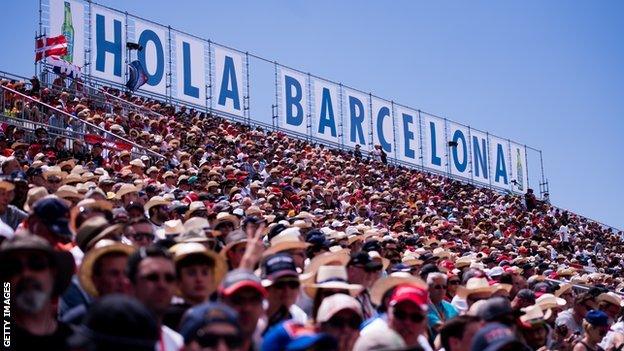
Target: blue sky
548,74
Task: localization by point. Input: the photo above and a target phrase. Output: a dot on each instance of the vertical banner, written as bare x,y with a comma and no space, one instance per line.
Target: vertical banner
190,70
67,18
519,178
434,148
480,157
326,106
459,155
293,107
154,55
229,81
383,125
407,135
499,161
108,46
356,122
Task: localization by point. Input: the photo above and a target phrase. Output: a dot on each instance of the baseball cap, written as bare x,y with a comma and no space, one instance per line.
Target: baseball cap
54,213
363,259
336,303
495,336
238,279
542,288
407,292
277,266
205,314
495,308
597,318
293,336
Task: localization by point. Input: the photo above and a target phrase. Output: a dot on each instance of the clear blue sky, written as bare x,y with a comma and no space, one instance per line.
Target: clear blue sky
548,74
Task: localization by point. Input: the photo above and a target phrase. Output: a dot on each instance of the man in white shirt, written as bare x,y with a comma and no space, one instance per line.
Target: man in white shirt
152,273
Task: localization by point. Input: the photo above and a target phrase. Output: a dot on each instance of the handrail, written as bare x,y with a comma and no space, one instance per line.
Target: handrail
83,121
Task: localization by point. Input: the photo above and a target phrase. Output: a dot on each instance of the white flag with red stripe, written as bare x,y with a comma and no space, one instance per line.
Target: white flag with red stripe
55,46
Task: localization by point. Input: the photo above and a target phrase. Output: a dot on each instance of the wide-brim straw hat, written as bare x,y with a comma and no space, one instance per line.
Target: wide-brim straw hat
85,274
332,277
183,250
475,286
382,285
325,259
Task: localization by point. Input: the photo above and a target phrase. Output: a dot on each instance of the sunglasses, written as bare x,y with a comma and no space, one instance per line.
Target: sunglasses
212,340
438,287
35,263
292,284
155,277
414,317
142,236
341,323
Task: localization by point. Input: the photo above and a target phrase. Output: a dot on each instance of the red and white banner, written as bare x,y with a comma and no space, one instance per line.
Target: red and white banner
92,139
54,46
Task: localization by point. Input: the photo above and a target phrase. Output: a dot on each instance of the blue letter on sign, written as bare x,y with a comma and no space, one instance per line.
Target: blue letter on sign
409,135
357,117
327,114
189,89
435,159
293,101
459,136
103,46
147,36
383,112
229,75
480,158
501,169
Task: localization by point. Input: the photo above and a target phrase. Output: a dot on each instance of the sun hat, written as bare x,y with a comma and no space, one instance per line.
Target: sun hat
475,285
182,250
336,303
382,285
63,261
332,277
288,239
102,248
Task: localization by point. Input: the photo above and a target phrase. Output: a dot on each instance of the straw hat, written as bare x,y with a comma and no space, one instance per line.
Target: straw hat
173,227
562,289
155,201
183,250
33,195
104,234
548,301
126,189
611,298
332,277
475,285
68,192
85,274
223,217
288,239
233,238
464,261
324,259
197,223
382,285
534,314
89,229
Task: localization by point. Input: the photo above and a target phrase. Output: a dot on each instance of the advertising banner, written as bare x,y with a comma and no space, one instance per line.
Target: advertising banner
293,107
67,18
154,55
356,119
227,92
326,111
383,125
408,135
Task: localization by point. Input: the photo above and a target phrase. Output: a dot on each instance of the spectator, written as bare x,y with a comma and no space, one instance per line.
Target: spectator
37,275
152,274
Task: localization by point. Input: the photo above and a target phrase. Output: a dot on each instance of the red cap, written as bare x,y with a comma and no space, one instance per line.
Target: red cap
412,293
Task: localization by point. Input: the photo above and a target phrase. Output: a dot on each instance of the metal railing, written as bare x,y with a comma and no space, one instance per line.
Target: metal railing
44,109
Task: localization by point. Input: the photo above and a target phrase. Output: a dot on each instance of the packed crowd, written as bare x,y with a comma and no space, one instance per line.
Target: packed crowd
247,239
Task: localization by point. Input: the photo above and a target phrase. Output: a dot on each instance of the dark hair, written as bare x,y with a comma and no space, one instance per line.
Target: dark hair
455,328
153,251
97,265
193,260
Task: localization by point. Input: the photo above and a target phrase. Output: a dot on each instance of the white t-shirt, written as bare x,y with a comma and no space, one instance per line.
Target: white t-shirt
564,233
170,340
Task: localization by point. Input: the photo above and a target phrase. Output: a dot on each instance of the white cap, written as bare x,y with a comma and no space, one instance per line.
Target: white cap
379,339
336,303
496,271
